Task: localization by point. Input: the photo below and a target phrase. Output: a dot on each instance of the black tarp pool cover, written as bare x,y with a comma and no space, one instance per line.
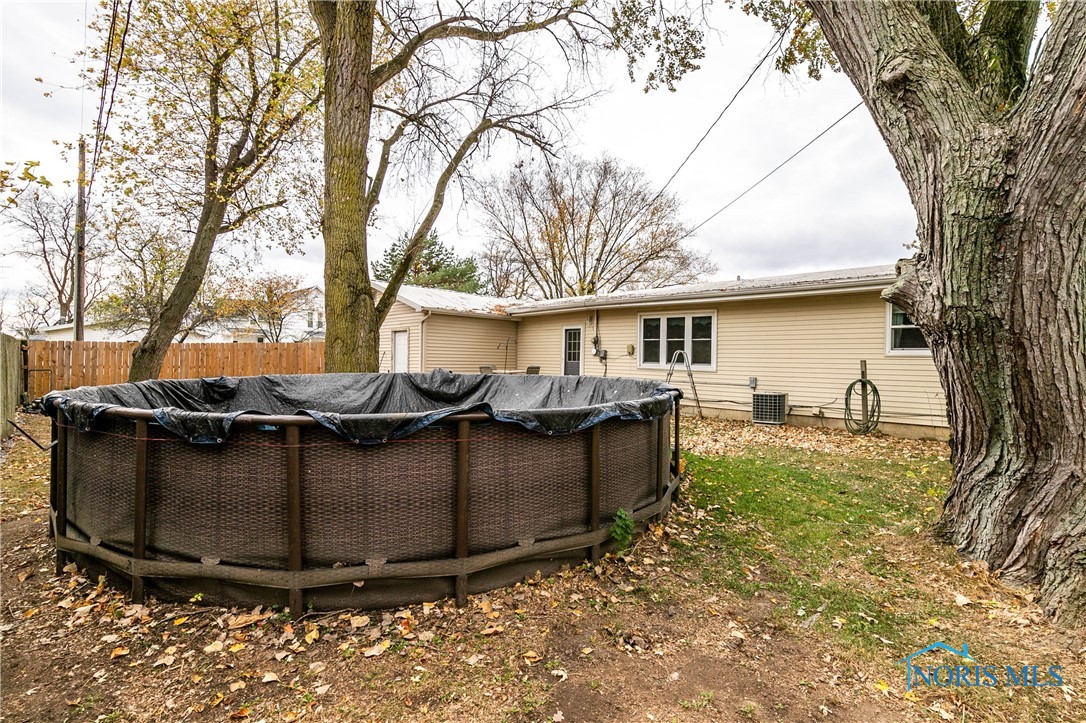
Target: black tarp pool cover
372,408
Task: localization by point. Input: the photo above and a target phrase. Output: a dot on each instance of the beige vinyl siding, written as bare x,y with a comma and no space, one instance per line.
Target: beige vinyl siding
540,341
807,346
402,317
464,343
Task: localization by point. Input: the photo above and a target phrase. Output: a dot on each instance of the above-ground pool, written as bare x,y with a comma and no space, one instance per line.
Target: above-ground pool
353,490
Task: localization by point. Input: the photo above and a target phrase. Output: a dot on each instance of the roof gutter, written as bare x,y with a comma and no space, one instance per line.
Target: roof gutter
479,314
719,296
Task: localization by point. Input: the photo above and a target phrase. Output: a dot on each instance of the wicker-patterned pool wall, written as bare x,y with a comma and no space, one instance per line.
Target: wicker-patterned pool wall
285,512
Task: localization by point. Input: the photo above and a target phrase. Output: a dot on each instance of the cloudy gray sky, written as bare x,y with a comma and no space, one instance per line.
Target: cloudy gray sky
839,204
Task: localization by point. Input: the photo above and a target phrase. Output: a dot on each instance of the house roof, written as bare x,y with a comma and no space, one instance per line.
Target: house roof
818,282
69,325
421,298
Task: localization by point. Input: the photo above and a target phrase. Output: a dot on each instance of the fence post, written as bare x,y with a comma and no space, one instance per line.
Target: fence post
24,353
463,483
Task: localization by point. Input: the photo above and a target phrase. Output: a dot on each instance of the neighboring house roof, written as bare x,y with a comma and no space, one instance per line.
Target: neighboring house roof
819,282
421,298
68,326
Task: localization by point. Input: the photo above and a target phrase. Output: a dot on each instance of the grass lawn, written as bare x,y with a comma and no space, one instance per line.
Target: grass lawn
794,572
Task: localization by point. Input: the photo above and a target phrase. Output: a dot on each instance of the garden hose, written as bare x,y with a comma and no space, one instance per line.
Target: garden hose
859,425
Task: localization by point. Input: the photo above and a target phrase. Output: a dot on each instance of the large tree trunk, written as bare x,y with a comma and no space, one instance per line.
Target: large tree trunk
346,31
999,283
149,354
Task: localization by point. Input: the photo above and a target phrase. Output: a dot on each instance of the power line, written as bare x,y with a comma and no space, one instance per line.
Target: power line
83,85
109,91
773,47
779,166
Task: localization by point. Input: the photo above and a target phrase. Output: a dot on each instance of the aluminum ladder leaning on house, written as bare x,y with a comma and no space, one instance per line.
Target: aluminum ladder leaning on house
689,375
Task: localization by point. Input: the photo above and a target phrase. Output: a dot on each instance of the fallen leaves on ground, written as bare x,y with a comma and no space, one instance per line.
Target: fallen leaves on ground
634,634
727,437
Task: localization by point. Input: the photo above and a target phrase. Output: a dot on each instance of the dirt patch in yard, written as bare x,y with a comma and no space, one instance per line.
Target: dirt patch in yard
713,616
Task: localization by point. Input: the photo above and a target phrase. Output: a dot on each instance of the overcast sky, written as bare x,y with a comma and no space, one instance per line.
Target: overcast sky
839,204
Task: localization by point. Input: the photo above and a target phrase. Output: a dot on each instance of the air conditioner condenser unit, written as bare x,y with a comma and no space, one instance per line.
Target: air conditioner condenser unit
769,407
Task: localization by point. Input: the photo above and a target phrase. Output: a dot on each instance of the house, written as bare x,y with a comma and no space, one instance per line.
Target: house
92,331
439,329
304,324
294,316
804,335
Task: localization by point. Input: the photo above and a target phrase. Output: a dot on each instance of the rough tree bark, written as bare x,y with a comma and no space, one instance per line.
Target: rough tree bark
346,31
995,162
149,354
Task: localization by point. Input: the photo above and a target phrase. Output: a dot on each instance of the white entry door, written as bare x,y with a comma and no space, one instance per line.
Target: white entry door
399,351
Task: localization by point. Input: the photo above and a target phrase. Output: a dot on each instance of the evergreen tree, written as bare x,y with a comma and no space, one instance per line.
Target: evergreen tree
436,266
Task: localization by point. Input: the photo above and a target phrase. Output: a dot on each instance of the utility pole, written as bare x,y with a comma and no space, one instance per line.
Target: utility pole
80,241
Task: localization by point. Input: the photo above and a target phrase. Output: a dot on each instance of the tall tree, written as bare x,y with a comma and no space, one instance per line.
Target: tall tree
269,302
407,80
993,153
435,266
214,99
146,259
32,312
502,273
577,227
44,236
14,184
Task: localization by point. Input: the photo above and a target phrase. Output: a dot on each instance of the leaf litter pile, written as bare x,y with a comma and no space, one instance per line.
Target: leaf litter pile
751,601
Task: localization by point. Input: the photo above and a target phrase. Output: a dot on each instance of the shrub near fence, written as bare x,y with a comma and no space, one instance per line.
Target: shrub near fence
69,364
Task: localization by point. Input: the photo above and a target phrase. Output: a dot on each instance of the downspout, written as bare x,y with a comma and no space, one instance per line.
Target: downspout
597,342
422,341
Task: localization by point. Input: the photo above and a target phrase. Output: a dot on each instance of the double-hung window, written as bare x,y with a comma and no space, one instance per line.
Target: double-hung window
661,336
902,335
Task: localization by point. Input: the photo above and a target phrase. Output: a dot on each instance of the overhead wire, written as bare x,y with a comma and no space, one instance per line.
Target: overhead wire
109,90
773,48
778,167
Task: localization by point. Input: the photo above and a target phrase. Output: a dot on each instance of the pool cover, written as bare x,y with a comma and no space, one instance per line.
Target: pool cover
372,408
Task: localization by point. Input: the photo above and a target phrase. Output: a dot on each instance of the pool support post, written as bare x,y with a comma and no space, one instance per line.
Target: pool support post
294,514
52,473
675,454
60,529
463,481
662,461
139,533
594,502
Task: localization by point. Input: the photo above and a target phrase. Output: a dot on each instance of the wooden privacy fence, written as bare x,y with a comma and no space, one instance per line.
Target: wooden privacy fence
68,364
11,381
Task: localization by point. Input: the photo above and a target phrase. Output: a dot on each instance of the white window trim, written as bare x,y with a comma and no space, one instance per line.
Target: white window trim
663,315
890,351
562,360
